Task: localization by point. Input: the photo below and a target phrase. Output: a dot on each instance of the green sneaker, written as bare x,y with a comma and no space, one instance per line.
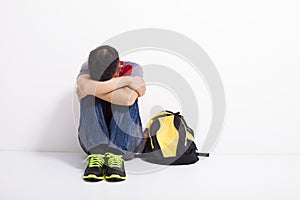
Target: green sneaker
116,169
96,168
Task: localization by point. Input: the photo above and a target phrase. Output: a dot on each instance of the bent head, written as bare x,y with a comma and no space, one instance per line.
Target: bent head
104,63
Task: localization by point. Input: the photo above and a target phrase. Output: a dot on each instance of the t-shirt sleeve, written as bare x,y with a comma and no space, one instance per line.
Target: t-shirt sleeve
84,69
132,69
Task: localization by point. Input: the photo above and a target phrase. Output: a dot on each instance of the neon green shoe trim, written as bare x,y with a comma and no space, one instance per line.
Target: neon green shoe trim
114,160
93,176
115,176
96,160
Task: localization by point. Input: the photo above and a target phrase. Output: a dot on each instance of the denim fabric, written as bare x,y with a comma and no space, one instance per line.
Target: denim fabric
124,133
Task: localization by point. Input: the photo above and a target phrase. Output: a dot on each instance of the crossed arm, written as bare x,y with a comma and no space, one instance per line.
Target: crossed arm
121,90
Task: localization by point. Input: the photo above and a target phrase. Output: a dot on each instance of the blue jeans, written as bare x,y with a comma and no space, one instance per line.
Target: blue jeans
123,133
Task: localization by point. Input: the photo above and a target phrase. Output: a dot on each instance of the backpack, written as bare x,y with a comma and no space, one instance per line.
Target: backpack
169,140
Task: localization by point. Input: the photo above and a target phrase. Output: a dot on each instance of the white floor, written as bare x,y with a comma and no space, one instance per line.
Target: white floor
55,176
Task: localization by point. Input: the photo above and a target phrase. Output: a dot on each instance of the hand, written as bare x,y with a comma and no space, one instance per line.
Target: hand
81,86
80,93
141,91
138,84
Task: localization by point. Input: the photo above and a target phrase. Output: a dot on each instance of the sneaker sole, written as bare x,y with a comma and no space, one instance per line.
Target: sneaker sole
93,178
115,178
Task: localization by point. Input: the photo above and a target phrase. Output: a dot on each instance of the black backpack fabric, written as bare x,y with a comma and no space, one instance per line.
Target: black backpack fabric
169,140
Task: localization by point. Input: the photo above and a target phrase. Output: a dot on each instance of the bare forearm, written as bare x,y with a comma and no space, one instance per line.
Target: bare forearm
123,96
96,88
129,87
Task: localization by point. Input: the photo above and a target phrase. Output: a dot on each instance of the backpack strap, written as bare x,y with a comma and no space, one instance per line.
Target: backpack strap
202,154
190,136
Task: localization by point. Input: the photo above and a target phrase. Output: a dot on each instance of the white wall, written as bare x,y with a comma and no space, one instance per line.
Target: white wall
254,44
